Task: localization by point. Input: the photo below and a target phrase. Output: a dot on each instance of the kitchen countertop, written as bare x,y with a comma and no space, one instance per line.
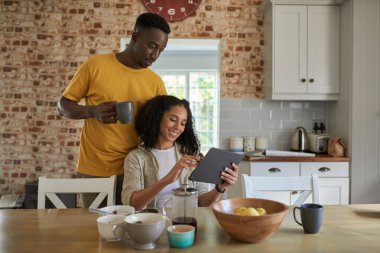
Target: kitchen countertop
317,158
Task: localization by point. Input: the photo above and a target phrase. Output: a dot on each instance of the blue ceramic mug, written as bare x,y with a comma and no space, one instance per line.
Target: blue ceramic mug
311,217
181,236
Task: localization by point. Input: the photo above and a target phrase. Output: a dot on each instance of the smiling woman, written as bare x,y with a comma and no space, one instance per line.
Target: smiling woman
169,146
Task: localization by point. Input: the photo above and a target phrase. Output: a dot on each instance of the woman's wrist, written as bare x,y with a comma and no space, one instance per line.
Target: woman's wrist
220,189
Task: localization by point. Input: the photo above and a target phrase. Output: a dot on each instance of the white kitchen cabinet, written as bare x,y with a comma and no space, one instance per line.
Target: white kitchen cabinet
333,179
301,50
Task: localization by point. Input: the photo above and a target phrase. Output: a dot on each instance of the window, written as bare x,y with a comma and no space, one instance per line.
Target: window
201,90
190,70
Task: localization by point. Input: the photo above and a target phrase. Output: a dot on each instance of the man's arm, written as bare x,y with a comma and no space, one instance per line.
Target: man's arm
104,113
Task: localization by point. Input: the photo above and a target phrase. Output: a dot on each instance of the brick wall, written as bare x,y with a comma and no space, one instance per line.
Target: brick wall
43,42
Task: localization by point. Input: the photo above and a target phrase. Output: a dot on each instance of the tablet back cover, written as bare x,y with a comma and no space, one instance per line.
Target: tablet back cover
212,165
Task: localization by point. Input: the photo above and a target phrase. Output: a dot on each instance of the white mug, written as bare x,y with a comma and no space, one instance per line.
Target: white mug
112,227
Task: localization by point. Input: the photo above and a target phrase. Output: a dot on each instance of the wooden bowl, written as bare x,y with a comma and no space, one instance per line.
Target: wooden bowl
249,228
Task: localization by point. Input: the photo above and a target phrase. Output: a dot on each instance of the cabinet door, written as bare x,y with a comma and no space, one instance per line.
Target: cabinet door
333,191
290,51
323,49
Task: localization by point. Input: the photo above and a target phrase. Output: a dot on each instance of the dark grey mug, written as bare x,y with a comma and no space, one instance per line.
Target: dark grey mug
311,217
124,112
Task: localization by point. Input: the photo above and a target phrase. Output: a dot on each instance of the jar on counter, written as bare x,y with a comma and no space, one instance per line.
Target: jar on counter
249,143
261,143
236,144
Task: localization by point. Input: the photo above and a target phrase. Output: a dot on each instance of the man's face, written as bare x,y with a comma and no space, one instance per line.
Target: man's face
147,47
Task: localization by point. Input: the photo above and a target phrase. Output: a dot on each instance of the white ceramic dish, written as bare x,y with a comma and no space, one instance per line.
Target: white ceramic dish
119,209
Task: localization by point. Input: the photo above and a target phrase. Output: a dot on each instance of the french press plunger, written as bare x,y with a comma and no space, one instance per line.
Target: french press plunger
185,205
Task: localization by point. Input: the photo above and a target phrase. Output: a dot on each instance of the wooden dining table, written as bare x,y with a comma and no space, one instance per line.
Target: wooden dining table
345,228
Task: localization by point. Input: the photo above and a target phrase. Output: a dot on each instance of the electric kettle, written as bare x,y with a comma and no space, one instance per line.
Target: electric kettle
299,140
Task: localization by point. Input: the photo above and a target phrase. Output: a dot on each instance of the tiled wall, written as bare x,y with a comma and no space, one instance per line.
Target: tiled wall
275,120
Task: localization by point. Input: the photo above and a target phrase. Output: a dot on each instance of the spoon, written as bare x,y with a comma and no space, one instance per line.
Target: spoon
96,210
146,210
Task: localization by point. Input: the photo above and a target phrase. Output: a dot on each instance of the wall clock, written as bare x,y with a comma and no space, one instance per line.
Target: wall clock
172,10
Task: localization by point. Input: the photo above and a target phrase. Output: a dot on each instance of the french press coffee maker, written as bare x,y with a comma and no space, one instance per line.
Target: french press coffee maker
185,205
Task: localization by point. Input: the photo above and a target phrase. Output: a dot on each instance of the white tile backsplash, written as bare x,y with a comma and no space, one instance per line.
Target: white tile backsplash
275,120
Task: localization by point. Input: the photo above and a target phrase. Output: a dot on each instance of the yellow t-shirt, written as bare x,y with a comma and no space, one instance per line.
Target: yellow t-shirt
100,79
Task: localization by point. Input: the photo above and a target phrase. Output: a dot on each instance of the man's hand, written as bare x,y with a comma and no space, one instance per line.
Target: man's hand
105,113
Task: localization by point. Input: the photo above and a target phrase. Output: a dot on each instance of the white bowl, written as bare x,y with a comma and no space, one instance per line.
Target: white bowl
118,209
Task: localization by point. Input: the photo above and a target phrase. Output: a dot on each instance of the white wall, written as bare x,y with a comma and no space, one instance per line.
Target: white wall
356,115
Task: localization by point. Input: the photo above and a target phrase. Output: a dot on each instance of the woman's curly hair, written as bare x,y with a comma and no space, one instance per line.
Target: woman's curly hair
148,120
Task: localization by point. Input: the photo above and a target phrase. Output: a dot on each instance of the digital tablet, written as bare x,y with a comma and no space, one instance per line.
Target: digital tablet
212,165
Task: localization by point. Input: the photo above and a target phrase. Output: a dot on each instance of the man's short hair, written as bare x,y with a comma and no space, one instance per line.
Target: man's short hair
152,20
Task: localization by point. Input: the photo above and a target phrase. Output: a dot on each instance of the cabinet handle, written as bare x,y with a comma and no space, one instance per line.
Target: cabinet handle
303,80
311,80
294,192
274,170
324,169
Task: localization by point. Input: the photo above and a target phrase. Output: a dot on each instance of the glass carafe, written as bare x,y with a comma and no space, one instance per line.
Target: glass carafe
184,207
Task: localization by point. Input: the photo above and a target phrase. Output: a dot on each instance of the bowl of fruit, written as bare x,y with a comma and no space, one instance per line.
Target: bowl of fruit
248,219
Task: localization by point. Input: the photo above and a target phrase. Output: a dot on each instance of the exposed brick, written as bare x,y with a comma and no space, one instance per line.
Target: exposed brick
209,28
43,45
41,36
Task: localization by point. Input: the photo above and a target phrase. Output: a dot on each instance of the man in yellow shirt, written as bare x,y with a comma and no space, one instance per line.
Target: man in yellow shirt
102,81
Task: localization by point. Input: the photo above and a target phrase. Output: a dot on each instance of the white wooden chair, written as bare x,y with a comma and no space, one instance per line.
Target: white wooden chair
50,186
253,185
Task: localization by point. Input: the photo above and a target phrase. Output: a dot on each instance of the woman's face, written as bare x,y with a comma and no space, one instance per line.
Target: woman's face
172,125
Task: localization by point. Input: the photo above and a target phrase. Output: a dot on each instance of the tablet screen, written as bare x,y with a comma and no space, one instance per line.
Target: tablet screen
212,165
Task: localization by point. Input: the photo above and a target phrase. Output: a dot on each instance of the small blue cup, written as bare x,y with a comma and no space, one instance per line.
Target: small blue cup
181,236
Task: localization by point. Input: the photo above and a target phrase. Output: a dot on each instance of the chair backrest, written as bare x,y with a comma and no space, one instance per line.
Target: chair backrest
252,185
50,186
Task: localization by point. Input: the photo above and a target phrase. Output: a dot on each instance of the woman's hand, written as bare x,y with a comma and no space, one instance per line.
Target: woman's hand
229,176
186,162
